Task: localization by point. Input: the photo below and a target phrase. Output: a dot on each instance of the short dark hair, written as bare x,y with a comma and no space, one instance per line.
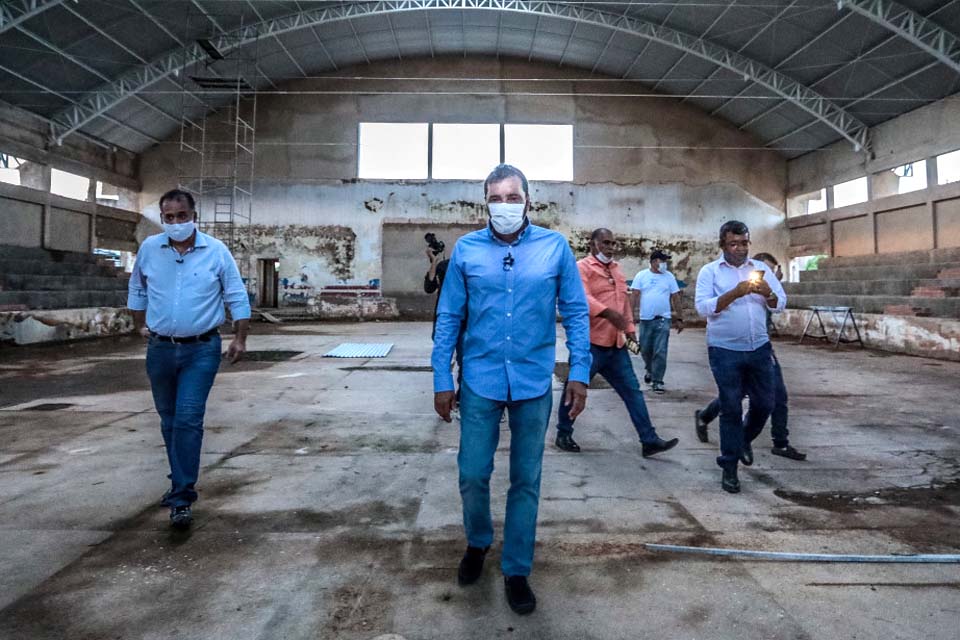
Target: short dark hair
503,171
735,227
599,232
766,257
179,194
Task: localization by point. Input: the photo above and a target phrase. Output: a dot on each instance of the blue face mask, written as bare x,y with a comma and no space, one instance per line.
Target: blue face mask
180,231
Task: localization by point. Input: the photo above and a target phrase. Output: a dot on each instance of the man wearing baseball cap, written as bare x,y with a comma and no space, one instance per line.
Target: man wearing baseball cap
659,310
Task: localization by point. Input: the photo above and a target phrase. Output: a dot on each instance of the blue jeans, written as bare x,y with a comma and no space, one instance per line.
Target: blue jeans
779,415
479,436
740,373
615,366
181,376
654,338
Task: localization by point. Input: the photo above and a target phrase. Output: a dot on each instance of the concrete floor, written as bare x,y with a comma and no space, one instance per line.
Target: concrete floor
329,506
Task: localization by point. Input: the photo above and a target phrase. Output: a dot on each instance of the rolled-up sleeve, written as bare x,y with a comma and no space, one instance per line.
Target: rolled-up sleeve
594,305
137,287
575,311
451,310
777,288
234,291
706,298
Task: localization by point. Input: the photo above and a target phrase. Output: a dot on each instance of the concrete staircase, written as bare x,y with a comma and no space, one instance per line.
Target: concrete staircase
913,283
32,278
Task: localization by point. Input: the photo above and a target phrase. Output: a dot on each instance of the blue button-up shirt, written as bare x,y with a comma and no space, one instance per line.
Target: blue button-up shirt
184,295
509,294
743,325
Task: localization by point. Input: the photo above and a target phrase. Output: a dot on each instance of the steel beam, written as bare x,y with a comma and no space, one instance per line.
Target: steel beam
26,9
803,97
316,34
912,27
278,41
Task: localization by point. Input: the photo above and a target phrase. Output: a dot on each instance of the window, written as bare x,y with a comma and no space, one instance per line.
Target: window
852,192
69,185
10,169
948,167
541,151
817,202
395,151
903,179
465,151
107,191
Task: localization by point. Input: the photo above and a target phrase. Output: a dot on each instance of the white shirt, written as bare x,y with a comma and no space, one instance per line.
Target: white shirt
655,291
743,325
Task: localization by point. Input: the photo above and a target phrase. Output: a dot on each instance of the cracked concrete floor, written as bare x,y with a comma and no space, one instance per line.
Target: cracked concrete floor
329,506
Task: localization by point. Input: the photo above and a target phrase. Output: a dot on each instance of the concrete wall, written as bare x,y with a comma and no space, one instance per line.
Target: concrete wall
676,182
927,131
34,218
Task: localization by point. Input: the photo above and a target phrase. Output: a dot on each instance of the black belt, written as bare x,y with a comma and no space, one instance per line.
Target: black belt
203,337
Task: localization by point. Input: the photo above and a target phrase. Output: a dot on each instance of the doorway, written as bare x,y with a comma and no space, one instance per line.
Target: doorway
268,271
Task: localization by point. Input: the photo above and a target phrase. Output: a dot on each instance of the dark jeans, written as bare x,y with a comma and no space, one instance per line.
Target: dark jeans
737,374
181,376
778,418
615,366
654,339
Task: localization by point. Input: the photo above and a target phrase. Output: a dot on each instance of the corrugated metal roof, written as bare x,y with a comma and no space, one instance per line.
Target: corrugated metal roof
360,350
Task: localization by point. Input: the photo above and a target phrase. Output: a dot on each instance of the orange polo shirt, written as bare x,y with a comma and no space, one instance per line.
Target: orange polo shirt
606,288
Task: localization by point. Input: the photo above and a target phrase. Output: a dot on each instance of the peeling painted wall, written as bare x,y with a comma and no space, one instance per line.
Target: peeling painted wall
686,174
30,327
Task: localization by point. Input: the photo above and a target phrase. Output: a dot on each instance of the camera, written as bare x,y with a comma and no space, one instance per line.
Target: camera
435,245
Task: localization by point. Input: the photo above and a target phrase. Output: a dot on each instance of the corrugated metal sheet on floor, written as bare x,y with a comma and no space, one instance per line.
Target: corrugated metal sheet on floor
360,350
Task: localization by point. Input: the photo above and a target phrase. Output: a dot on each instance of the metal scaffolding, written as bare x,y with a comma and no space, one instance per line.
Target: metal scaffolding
217,146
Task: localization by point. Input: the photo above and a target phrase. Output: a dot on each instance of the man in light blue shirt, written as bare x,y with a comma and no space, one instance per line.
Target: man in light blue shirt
180,282
508,280
733,294
659,309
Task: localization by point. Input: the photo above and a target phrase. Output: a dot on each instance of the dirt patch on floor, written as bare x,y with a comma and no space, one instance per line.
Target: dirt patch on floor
937,495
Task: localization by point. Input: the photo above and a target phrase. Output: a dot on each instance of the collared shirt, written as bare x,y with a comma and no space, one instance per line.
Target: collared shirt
655,291
743,325
606,288
509,294
184,295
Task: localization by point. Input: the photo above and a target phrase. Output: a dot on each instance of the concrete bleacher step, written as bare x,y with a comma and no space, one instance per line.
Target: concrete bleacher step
928,256
934,307
869,287
901,271
8,252
26,282
74,299
47,268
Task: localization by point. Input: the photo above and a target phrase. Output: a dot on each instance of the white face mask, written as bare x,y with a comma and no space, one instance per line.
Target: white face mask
604,259
181,231
505,217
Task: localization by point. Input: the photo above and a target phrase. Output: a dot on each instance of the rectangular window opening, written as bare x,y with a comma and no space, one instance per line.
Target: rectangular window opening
541,151
948,167
850,192
393,151
10,169
465,151
69,185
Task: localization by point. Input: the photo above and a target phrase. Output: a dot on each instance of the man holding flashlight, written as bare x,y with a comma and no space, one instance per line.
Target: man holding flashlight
734,294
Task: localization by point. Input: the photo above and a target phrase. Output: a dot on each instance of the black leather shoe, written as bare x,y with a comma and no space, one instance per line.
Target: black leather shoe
519,594
165,498
746,454
701,427
730,481
647,378
471,566
181,517
566,443
788,452
659,446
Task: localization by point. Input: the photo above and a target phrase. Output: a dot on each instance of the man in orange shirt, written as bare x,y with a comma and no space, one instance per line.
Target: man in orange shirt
611,321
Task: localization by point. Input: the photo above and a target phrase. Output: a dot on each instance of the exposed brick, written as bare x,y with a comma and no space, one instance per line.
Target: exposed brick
949,274
13,307
928,292
899,310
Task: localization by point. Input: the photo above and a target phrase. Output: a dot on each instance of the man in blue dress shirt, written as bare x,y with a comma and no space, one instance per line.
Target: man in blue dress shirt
734,294
508,280
177,291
